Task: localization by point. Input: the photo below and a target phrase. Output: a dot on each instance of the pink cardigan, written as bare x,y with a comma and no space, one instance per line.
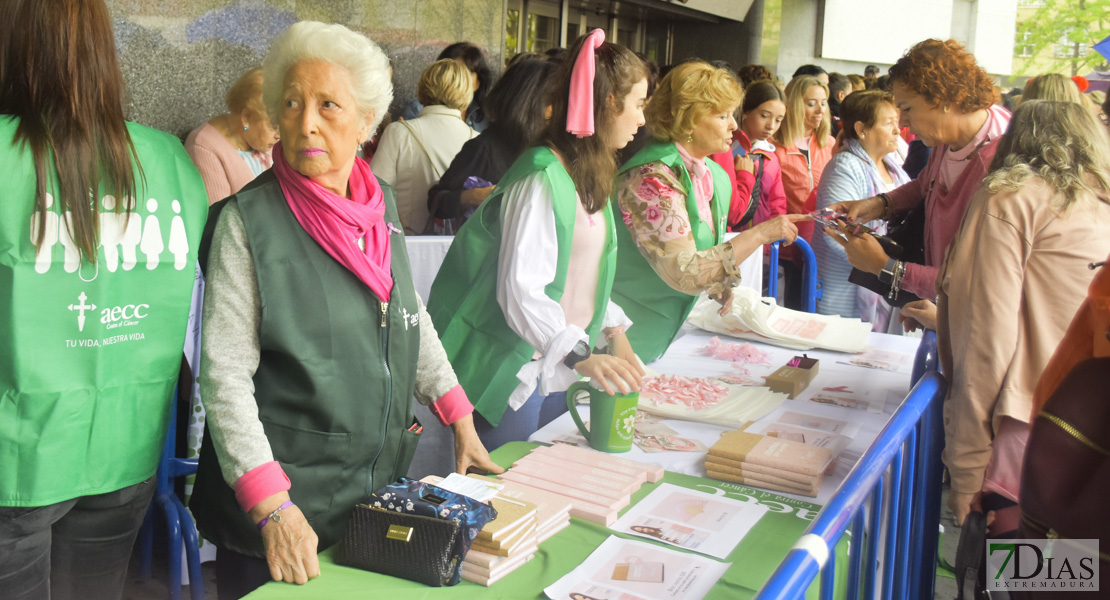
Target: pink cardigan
945,208
221,167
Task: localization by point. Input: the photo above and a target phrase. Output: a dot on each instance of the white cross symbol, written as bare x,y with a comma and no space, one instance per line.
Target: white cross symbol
81,308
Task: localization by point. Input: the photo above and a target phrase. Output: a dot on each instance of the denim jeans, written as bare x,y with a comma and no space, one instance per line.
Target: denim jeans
78,548
517,425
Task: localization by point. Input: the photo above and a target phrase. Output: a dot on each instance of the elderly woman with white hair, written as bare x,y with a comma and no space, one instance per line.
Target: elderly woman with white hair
315,340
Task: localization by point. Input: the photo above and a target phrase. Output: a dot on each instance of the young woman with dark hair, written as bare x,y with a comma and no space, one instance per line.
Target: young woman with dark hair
515,108
542,248
87,390
758,194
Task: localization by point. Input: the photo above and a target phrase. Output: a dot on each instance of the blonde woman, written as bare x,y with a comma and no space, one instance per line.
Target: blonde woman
230,150
1054,87
1014,276
675,205
803,146
413,154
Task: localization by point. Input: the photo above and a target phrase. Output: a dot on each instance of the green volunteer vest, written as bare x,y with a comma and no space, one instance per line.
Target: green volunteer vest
485,352
89,353
334,387
656,309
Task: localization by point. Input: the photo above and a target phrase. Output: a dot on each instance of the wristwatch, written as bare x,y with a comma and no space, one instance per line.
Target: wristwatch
887,274
579,353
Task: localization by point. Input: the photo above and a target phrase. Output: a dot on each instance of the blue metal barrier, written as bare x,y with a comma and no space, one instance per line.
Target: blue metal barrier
178,521
909,447
810,293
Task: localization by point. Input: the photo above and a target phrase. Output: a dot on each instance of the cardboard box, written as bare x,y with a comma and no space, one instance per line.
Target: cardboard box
792,380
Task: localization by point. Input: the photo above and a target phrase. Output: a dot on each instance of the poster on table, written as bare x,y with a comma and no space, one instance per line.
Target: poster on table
623,569
691,520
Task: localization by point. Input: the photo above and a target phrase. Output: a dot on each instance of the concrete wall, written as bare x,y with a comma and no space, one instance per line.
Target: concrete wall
178,58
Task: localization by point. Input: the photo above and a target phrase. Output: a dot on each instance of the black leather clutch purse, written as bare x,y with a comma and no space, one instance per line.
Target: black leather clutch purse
412,547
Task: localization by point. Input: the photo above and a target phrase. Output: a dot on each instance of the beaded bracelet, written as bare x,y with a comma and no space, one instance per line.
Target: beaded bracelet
614,332
887,206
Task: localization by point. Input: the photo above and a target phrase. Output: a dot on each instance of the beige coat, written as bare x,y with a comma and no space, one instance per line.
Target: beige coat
1013,278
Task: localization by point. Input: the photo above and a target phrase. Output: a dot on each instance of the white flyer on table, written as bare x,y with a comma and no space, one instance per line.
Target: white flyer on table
691,520
623,569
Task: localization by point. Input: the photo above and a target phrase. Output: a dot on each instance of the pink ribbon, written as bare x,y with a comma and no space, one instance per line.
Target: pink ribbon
580,105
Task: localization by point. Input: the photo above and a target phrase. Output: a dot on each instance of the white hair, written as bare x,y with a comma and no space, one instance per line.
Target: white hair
312,40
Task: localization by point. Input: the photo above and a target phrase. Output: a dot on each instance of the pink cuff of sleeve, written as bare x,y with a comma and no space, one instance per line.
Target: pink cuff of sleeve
452,406
260,483
921,280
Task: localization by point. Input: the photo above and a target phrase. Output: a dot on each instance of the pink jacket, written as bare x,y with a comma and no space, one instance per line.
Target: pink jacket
800,177
772,200
945,208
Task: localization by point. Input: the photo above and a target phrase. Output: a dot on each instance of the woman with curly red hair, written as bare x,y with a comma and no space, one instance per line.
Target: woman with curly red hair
947,101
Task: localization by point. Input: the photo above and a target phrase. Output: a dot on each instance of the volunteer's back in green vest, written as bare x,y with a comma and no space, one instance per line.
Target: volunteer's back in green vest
334,388
657,310
485,352
89,352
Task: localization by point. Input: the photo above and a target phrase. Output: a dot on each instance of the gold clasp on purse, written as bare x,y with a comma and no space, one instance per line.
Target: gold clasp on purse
399,533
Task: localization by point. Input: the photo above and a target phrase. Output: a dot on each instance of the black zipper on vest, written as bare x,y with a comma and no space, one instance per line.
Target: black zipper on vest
388,394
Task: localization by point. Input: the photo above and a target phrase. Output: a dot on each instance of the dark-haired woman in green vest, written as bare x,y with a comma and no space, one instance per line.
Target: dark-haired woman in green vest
522,298
314,338
674,205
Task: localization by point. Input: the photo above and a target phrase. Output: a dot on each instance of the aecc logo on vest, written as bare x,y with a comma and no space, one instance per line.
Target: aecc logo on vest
111,317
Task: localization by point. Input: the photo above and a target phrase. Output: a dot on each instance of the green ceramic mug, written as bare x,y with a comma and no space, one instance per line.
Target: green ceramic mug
612,418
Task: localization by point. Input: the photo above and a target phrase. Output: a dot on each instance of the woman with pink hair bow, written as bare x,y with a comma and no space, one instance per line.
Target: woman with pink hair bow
542,250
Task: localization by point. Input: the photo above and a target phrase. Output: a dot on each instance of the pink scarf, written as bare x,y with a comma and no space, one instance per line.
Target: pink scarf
580,105
337,223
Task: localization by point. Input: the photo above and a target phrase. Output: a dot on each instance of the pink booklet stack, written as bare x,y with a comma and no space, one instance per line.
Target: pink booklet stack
596,485
768,462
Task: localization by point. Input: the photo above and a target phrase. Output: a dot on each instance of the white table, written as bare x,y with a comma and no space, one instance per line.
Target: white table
683,358
426,254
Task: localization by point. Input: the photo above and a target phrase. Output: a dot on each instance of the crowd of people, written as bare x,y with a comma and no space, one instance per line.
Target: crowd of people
593,197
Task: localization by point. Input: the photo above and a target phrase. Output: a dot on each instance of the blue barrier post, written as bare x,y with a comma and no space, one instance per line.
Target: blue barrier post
924,533
810,293
773,272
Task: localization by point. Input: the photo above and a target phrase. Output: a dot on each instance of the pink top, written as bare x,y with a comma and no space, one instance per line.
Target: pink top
945,204
221,167
580,294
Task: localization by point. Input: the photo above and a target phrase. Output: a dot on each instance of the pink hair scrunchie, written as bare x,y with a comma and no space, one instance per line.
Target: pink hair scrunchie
580,105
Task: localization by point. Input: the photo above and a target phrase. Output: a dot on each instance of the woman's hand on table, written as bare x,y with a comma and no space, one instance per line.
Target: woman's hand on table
859,211
920,314
470,454
725,300
290,544
614,374
864,251
620,347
